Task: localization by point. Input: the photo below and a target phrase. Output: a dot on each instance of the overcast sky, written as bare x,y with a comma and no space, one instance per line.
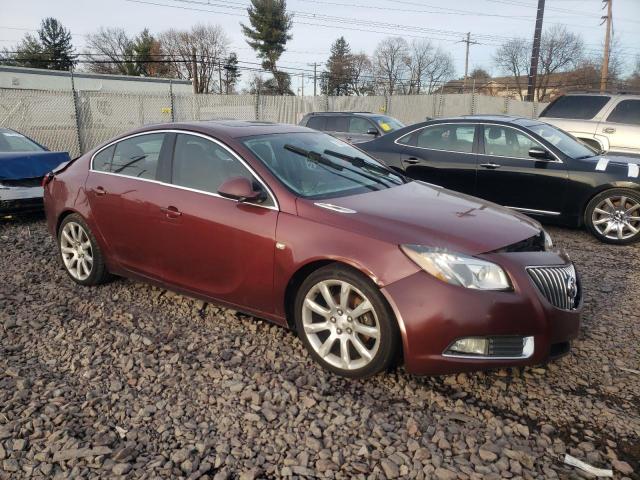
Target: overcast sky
359,21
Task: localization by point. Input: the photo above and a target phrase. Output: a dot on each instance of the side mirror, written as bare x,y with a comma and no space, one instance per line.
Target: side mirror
539,153
372,131
241,189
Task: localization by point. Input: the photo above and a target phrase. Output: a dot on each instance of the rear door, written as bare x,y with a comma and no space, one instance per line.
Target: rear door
122,187
509,176
622,127
443,154
213,245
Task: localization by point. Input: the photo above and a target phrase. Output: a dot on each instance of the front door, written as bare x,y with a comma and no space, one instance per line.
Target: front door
442,154
121,188
215,246
509,176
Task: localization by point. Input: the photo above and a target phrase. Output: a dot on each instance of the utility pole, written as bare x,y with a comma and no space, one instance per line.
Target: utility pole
220,77
302,85
604,75
535,53
466,59
315,66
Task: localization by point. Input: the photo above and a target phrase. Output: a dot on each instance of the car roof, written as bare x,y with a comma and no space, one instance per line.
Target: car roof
228,128
364,114
503,119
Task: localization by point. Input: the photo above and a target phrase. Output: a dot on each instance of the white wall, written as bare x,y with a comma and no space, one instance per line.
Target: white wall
36,79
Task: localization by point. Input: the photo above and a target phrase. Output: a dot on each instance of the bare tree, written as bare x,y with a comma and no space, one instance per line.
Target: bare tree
361,80
512,58
560,50
438,71
421,54
197,54
114,50
390,63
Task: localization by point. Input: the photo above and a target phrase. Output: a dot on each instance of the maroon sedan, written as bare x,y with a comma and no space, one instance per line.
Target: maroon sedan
295,226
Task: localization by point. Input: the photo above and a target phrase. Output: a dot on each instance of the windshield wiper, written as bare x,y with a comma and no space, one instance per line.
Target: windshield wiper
362,163
313,156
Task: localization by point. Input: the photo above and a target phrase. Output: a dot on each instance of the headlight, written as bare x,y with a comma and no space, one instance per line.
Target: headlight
457,269
548,243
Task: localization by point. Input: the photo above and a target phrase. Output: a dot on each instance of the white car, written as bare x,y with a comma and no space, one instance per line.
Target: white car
607,122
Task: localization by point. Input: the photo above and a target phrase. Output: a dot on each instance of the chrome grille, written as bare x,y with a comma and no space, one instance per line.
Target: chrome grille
559,285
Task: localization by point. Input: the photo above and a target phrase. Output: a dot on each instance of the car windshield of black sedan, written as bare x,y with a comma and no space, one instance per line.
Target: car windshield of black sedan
317,165
13,142
562,141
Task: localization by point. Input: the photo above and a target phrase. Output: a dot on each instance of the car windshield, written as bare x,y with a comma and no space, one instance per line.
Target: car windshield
317,165
388,124
14,142
564,142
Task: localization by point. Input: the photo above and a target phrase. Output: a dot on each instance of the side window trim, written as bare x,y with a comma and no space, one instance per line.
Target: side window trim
275,206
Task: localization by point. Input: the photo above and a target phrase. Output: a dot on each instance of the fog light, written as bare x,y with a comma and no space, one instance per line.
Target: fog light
470,346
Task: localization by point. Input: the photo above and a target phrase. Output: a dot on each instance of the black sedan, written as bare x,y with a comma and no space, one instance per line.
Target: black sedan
524,164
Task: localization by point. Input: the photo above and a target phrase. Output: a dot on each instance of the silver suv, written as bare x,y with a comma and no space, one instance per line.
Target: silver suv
607,122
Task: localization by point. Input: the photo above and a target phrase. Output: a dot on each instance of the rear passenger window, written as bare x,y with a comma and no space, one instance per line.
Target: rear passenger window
580,107
102,161
627,111
317,123
448,137
204,165
138,156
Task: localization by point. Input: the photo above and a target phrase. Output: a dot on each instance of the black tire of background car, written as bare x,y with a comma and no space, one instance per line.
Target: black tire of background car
588,214
388,351
99,273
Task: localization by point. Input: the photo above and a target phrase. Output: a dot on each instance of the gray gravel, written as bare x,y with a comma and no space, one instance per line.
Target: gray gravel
130,380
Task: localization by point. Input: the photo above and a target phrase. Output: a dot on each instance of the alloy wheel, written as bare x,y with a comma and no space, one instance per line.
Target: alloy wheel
76,251
617,217
341,324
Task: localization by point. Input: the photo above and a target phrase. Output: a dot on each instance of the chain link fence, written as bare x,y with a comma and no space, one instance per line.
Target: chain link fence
77,121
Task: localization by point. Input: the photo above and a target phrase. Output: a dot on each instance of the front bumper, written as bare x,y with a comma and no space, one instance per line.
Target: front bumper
433,314
14,200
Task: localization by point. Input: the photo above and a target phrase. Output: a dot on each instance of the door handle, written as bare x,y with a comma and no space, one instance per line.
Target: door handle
412,160
99,191
171,211
490,166
609,130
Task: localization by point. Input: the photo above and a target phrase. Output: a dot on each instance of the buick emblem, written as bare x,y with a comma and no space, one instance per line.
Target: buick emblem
572,288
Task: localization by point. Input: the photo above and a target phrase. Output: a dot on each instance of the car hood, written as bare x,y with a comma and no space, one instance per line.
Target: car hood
19,165
420,213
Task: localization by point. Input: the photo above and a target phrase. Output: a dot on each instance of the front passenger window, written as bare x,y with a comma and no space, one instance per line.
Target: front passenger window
204,165
507,142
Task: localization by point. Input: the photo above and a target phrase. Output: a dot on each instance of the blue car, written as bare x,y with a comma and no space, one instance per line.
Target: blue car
23,164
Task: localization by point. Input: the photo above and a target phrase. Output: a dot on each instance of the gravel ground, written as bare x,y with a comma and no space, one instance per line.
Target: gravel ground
127,379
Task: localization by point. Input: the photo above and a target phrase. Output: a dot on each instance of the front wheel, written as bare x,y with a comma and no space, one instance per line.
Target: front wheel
345,323
613,216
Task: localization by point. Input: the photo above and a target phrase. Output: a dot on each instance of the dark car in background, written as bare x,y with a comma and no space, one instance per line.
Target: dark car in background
298,227
353,127
524,164
23,164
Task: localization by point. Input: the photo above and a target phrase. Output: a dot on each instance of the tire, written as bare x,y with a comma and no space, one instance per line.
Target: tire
80,253
613,216
370,337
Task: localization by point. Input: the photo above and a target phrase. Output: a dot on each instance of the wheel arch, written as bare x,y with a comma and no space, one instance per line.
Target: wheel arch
64,214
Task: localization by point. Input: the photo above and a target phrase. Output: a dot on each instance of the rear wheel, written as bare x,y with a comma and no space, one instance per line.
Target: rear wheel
80,252
345,323
613,216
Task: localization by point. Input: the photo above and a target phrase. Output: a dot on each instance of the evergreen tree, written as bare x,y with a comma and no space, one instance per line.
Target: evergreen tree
146,49
56,45
231,73
268,35
339,69
28,53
